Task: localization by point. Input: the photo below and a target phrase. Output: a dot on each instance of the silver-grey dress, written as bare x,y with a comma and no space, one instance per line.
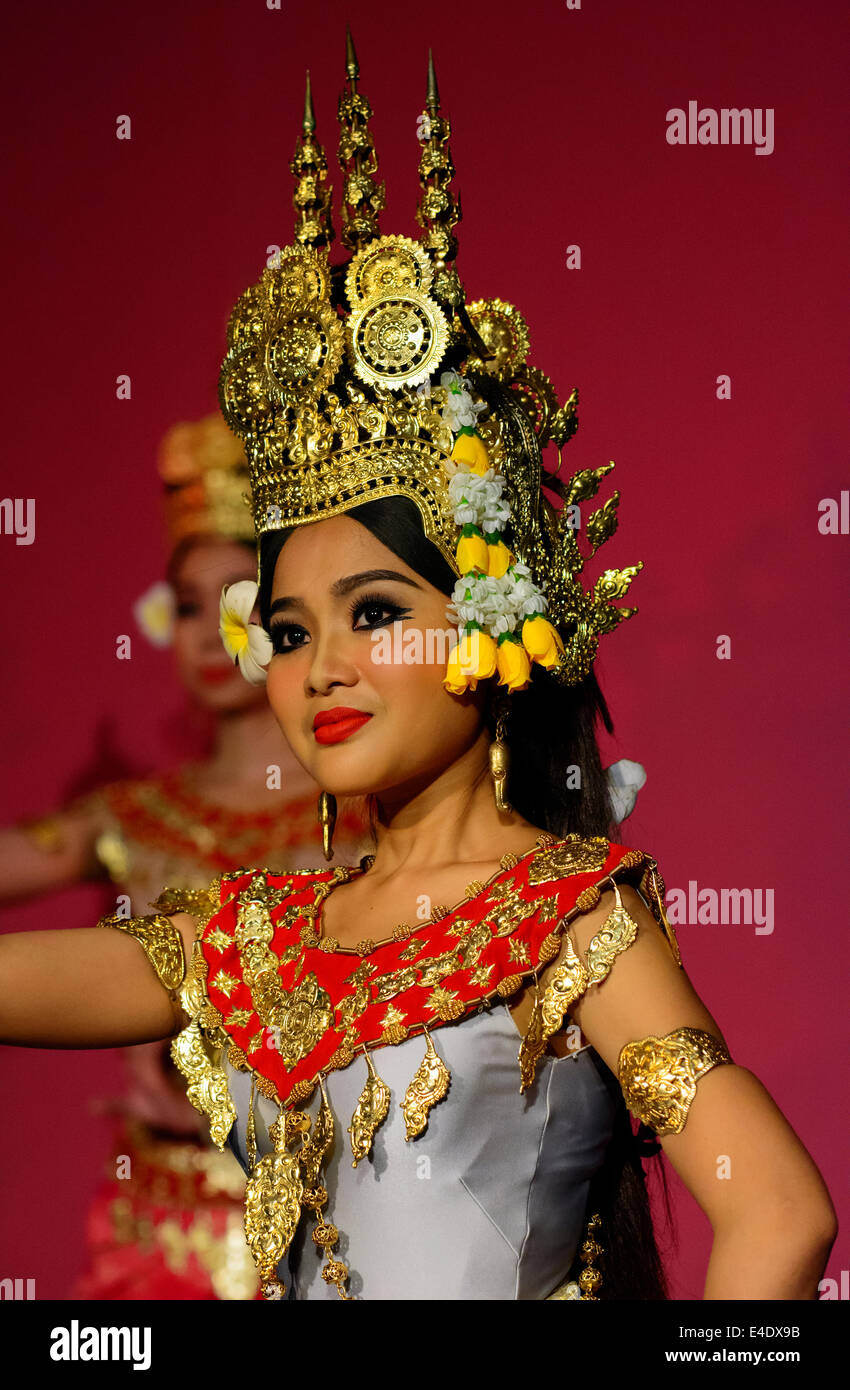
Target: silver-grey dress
488,1203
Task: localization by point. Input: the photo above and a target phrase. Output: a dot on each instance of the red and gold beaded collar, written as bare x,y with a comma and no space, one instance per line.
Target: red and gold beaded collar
290,1006
295,1006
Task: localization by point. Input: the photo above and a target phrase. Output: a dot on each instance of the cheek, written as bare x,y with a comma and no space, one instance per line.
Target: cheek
185,642
285,691
412,689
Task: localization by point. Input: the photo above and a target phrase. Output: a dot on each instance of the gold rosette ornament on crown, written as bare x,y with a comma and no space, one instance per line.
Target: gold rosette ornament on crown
373,377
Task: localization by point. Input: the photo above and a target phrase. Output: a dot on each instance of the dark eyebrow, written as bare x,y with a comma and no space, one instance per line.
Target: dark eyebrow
345,586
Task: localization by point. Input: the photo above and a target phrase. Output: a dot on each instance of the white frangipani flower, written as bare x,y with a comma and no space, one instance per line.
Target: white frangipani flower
244,641
154,613
625,779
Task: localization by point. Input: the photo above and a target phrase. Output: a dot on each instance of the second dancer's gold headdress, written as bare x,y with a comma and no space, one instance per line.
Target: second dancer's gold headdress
205,472
374,378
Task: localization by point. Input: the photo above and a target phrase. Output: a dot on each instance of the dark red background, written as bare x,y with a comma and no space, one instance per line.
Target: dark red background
127,256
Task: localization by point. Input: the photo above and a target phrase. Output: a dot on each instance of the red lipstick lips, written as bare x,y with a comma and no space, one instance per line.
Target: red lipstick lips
334,725
215,675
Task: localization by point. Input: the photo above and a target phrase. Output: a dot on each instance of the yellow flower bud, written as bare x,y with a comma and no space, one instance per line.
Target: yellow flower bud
541,641
514,665
473,659
471,450
472,554
455,680
499,559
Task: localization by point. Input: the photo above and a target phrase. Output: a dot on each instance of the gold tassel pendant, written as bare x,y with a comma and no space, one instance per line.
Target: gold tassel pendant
369,1114
315,1197
428,1086
568,984
250,1126
313,1150
617,933
533,1044
272,1209
207,1087
590,1279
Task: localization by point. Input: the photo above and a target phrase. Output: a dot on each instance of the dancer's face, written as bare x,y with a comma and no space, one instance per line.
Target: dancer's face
336,590
204,666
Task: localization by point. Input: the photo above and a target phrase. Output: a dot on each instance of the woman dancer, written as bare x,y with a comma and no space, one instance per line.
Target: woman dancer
485,999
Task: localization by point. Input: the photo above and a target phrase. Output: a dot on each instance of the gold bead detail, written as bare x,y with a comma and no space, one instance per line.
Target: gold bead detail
632,859
301,1090
266,1088
511,983
550,947
587,900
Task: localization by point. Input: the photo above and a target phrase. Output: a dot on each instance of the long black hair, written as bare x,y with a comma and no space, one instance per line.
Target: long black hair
551,733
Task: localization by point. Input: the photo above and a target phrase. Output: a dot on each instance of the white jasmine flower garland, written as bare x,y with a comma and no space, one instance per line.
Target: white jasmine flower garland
496,602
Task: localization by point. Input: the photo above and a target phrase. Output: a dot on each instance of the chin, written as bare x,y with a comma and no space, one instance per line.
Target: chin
341,776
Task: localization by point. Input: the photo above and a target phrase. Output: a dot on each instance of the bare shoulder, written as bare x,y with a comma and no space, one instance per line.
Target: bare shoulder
633,984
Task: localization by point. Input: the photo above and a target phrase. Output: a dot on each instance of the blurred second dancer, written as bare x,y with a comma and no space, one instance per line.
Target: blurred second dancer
167,1222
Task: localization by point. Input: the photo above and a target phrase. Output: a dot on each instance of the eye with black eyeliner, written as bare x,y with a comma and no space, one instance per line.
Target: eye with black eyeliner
361,605
277,633
383,605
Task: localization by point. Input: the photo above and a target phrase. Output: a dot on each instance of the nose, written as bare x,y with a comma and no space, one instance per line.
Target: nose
210,643
331,661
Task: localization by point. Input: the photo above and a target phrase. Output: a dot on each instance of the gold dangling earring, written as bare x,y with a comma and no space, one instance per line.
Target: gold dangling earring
500,759
327,820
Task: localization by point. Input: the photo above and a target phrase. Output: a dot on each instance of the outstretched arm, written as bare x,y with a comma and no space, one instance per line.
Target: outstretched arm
89,987
771,1214
39,856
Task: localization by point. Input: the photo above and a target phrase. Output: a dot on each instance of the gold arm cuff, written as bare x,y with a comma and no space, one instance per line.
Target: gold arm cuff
161,942
658,1076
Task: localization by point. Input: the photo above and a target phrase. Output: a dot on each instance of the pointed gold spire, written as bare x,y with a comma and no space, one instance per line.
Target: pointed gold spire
439,211
352,67
309,125
312,197
432,101
363,195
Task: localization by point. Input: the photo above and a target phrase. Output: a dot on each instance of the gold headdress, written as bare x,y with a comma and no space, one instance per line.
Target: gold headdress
344,382
205,472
